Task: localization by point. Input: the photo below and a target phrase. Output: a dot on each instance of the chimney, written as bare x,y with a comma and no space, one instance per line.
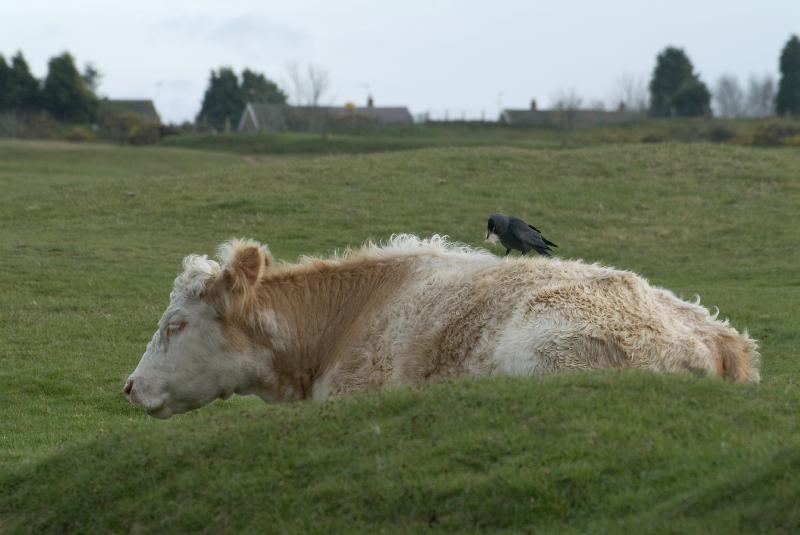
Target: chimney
533,104
370,102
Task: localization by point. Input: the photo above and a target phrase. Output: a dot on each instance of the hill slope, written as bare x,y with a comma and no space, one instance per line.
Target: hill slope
591,452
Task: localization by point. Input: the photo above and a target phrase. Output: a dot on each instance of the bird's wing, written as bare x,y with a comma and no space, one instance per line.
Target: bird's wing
548,242
530,236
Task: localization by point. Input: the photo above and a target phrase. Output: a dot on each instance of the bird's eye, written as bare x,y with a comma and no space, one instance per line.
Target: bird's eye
175,328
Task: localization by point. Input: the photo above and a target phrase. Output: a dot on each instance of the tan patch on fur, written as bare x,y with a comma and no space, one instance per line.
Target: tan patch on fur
326,310
472,312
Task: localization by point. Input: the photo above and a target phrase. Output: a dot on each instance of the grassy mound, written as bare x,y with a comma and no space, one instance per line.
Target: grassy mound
584,453
91,238
389,140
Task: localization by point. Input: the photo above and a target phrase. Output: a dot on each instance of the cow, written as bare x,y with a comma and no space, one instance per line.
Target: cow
410,312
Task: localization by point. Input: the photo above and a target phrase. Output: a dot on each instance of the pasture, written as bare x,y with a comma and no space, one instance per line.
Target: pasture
92,236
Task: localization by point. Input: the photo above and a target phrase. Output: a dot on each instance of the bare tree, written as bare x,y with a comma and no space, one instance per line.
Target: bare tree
729,99
309,86
760,101
318,83
567,99
565,103
297,92
629,92
597,105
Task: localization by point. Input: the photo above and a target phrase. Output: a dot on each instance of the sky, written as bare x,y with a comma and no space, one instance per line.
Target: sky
463,58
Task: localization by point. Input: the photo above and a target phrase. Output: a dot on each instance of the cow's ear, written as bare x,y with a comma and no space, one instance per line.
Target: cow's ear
244,263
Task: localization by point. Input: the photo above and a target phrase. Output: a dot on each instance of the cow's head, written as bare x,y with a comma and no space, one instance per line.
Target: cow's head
197,354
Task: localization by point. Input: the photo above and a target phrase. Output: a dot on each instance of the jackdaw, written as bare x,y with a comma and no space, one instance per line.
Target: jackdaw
516,234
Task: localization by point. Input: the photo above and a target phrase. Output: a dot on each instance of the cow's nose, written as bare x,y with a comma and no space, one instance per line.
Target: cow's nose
128,387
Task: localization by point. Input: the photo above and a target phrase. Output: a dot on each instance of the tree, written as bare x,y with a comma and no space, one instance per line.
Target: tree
5,85
225,97
318,83
675,89
258,88
311,86
65,94
629,93
222,102
566,103
567,99
729,97
760,100
788,99
91,77
692,99
25,91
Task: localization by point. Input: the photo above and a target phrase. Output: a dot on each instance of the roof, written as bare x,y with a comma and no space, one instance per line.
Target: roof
279,117
396,114
143,108
576,117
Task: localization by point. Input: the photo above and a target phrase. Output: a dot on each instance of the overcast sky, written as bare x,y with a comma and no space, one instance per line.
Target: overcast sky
461,56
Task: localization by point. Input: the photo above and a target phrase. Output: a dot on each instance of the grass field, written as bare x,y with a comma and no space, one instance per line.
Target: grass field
92,236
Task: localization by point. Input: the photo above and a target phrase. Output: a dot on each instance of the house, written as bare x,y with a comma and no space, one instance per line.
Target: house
145,110
258,117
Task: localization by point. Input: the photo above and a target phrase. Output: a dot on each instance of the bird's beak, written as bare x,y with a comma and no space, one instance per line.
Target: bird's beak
487,236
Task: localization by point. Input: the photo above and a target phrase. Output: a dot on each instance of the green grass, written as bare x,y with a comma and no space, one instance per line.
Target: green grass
91,237
391,139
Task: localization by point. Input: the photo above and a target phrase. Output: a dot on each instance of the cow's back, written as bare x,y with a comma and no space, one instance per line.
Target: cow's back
463,315
615,319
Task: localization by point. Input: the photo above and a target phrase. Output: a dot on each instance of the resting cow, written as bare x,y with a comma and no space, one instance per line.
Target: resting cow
411,312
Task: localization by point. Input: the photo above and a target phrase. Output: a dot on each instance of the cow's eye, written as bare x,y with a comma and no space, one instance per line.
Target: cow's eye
175,328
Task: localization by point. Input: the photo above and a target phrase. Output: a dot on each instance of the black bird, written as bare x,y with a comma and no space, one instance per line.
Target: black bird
514,233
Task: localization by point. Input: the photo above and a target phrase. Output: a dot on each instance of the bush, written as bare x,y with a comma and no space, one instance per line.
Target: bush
129,128
29,126
652,138
79,134
720,134
792,141
774,134
172,130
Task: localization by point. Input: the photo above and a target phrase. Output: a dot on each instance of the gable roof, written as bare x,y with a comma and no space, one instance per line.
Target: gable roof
391,114
145,109
574,117
281,117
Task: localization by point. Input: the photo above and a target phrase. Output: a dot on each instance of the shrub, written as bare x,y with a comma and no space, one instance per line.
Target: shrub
652,138
774,134
29,125
720,134
129,128
171,130
79,134
792,141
